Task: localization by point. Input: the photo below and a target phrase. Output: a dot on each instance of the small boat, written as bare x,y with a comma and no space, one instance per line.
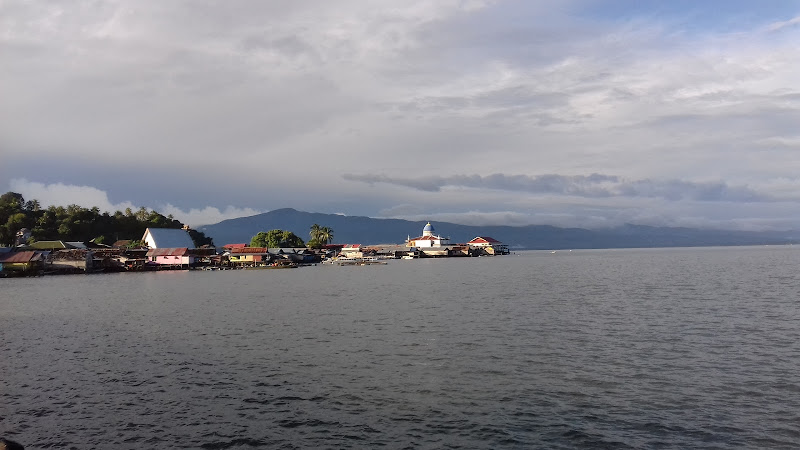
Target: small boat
371,260
346,261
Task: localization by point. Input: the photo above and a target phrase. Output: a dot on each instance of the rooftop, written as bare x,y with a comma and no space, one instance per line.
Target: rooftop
168,238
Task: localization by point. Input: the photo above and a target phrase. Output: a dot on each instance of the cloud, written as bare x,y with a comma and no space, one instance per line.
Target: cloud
792,142
590,186
59,194
475,218
196,217
652,212
265,104
776,26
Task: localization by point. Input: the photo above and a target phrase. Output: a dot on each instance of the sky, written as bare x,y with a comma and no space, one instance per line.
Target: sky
570,113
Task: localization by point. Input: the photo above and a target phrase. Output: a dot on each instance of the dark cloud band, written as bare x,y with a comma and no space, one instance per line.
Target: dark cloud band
592,186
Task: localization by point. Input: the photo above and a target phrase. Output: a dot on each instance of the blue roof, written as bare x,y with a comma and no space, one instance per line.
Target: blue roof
169,238
428,227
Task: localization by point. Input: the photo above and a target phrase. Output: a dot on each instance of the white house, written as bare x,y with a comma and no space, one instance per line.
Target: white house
167,238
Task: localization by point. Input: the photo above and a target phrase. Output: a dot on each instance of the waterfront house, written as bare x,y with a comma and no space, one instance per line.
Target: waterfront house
301,255
176,257
488,245
25,261
167,238
249,256
132,258
351,251
394,251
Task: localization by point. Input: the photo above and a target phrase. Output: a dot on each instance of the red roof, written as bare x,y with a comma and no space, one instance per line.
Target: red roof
352,246
234,246
483,240
248,250
17,257
178,251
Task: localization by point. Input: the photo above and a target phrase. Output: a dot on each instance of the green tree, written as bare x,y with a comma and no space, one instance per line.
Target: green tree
276,239
14,224
12,198
326,235
33,205
315,232
320,236
135,244
199,238
259,240
11,204
142,214
289,239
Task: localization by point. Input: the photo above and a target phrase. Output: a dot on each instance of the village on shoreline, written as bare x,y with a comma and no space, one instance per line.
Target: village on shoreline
174,249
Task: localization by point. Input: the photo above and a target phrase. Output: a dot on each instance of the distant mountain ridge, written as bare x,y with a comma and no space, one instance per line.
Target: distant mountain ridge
370,231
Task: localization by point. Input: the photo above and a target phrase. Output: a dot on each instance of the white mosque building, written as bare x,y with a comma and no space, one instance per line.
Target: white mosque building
429,239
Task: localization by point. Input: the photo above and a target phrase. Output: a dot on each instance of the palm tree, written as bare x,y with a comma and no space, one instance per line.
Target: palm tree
315,233
325,235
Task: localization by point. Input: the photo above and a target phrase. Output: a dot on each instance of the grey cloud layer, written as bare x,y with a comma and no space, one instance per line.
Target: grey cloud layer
591,186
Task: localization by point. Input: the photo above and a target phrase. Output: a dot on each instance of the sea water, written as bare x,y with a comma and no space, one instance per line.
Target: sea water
648,348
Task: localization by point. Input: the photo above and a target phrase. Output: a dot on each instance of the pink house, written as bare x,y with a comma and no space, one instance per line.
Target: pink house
179,256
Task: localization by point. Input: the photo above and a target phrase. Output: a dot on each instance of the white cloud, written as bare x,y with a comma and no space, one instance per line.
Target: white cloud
776,26
209,215
59,194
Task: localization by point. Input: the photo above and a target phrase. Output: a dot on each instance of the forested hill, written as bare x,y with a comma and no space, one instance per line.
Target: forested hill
75,223
366,230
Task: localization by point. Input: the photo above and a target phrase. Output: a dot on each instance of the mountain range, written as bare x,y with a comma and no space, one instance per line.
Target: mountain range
372,231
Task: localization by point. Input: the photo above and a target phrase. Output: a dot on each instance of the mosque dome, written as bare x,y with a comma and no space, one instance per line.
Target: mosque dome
428,230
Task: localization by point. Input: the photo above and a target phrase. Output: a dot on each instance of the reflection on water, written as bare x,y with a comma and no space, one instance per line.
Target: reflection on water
675,348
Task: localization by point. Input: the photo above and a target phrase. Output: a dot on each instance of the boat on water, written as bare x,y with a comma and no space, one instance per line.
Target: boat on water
372,260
